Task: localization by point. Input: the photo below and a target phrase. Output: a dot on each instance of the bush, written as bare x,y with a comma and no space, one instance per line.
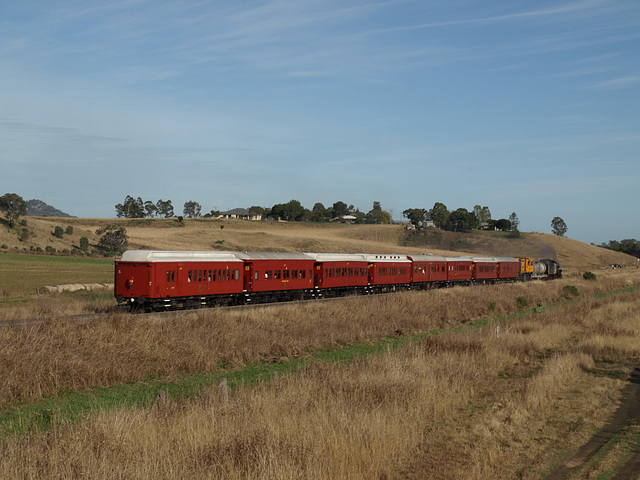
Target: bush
50,249
58,232
114,239
24,235
522,302
69,230
570,291
84,244
589,276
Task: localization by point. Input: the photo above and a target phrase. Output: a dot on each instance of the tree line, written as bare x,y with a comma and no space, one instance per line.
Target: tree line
292,211
629,246
460,219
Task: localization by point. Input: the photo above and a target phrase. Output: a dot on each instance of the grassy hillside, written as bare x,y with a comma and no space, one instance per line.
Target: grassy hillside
205,234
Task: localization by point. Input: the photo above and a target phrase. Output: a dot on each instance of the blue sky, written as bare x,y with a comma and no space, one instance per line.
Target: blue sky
532,107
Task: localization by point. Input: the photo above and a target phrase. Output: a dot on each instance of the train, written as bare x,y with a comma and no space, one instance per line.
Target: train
162,280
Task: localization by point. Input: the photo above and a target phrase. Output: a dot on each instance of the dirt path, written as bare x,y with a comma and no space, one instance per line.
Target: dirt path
626,413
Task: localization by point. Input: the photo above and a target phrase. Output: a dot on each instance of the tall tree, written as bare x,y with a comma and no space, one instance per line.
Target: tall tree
191,209
150,209
558,226
131,208
439,214
340,209
482,213
415,215
164,208
13,206
378,216
461,220
319,213
513,218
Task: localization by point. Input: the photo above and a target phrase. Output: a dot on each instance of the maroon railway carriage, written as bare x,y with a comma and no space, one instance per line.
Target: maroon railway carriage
274,276
429,271
485,269
459,270
336,273
388,273
157,280
495,269
508,268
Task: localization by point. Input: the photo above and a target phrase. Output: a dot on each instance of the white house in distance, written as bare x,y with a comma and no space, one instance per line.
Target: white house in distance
240,213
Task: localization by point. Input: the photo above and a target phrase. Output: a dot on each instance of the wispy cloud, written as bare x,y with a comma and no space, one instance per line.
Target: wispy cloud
617,83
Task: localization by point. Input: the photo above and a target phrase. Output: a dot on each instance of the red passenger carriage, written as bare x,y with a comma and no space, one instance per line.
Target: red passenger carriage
336,273
428,270
154,279
272,276
459,270
508,268
388,273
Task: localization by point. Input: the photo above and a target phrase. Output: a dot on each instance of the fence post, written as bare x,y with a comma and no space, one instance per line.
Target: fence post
224,390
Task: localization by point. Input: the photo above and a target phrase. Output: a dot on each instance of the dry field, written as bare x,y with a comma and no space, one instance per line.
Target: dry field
205,234
467,401
502,381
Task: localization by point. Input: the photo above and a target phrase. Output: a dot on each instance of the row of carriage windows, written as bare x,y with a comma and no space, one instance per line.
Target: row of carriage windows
282,274
422,268
206,276
346,272
392,271
227,275
486,268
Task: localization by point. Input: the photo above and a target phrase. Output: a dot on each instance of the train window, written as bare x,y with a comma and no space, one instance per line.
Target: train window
208,275
294,273
277,274
189,276
199,275
256,275
168,277
236,274
310,274
285,274
303,272
268,274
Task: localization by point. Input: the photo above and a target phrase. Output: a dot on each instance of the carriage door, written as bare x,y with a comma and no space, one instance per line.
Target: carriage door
247,281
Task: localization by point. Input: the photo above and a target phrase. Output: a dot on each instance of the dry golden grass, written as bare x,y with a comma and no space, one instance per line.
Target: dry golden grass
459,405
67,353
204,234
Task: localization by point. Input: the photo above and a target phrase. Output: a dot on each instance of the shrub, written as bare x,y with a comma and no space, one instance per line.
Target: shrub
23,223
50,249
69,230
492,306
522,302
5,246
570,291
589,276
24,235
114,239
58,232
84,244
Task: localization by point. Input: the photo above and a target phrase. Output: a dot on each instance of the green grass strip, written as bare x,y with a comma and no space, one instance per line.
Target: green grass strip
73,406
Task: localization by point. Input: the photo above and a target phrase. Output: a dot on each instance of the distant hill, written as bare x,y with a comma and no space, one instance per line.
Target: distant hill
37,208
